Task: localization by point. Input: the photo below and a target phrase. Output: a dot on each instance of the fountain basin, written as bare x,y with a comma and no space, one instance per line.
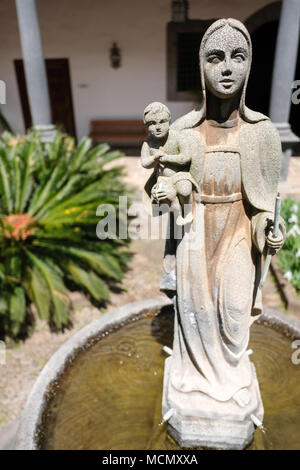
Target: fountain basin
103,388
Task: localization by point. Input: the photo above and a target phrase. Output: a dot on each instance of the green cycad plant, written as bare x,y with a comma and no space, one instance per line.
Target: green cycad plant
289,255
49,194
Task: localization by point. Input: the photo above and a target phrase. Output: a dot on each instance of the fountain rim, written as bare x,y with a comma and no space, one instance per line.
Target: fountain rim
31,417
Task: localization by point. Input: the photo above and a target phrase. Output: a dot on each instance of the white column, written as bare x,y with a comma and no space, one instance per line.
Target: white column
34,67
283,76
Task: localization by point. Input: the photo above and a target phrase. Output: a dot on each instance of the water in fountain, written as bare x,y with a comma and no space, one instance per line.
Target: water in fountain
110,396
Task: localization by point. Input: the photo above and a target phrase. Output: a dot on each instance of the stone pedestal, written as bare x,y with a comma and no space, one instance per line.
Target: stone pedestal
201,421
46,131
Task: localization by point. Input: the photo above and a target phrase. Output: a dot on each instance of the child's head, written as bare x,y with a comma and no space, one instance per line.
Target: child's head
157,119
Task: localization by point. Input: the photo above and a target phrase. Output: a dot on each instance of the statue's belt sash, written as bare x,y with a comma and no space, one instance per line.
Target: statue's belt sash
213,199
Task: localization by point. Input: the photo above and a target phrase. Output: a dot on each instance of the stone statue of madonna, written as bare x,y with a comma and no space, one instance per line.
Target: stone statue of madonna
215,268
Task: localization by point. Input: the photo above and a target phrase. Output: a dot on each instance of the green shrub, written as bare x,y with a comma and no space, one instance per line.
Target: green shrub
49,193
289,255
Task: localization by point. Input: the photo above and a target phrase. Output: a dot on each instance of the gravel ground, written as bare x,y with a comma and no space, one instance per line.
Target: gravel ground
25,360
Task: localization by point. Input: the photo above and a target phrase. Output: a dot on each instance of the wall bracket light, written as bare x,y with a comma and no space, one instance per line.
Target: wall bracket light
115,56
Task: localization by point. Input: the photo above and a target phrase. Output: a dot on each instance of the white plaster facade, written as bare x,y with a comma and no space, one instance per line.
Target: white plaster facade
83,32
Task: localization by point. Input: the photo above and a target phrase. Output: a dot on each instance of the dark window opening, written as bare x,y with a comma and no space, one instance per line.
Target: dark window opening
188,74
183,43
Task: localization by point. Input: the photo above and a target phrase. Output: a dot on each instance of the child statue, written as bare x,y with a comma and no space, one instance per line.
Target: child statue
210,383
169,153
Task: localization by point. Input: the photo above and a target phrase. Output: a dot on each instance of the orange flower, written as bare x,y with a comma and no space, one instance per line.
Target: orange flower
18,226
15,140
69,143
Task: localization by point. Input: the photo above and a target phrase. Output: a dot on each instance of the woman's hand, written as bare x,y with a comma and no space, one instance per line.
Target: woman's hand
160,195
274,243
158,154
164,192
163,158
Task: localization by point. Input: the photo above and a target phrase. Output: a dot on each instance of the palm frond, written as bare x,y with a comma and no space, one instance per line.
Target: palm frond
49,195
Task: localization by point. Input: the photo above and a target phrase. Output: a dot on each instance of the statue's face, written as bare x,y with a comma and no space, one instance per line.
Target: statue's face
226,60
158,125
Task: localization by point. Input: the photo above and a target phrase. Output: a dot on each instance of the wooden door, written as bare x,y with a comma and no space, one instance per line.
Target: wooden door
59,83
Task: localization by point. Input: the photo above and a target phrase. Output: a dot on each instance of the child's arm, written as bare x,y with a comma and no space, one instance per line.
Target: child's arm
179,159
148,160
183,144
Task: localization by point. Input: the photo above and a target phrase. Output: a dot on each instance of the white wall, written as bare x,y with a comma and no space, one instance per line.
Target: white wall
83,31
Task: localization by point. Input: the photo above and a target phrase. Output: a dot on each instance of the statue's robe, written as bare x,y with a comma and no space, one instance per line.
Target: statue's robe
260,155
205,359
